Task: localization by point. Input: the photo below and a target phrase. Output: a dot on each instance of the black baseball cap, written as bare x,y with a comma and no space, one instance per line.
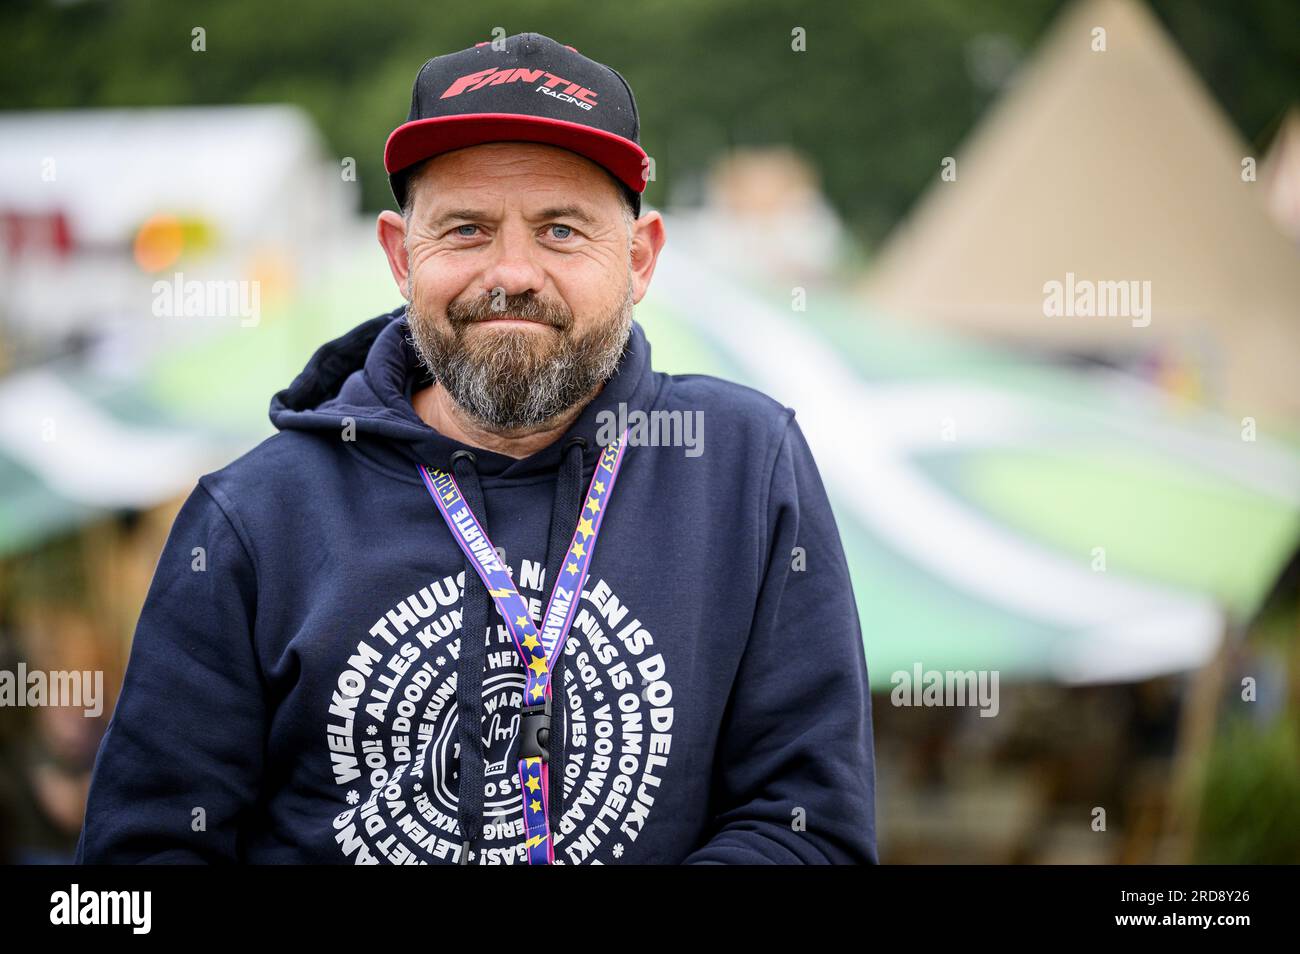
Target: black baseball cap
527,87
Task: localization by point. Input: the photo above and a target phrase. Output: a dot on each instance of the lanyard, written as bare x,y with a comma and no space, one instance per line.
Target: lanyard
538,650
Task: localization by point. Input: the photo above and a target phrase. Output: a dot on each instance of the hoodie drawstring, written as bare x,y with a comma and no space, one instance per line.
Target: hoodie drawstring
475,607
475,616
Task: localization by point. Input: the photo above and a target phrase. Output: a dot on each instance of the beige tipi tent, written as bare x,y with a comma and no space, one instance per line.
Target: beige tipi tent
1102,166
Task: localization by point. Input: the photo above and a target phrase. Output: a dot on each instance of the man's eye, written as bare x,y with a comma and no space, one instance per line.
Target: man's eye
561,231
459,229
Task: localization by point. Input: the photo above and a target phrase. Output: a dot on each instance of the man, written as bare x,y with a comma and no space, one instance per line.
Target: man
665,662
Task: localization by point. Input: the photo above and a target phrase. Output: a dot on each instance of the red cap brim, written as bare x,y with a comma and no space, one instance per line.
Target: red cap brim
411,142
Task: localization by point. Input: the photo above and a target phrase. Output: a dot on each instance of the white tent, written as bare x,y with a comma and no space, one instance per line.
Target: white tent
257,178
236,166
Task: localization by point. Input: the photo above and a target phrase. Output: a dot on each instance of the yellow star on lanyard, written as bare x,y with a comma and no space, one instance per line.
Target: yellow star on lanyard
537,692
532,784
521,620
572,568
594,505
535,805
579,550
584,527
537,665
530,641
600,486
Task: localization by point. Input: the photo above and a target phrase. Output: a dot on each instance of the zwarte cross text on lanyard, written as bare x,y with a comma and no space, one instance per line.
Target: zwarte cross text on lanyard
538,650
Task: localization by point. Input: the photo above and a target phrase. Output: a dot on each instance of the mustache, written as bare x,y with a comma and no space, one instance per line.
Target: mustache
527,306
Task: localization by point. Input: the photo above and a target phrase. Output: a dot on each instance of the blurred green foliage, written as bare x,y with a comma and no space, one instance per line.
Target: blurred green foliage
884,91
1250,802
1250,795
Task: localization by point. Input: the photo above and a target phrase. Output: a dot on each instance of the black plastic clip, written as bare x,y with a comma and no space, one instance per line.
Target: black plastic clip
535,731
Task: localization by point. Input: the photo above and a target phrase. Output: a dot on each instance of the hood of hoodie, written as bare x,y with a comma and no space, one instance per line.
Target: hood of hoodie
367,377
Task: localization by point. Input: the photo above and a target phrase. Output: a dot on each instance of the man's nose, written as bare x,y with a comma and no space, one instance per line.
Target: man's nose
513,263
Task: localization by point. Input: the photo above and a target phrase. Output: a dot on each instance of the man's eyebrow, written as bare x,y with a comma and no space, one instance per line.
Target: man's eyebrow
565,212
574,212
453,214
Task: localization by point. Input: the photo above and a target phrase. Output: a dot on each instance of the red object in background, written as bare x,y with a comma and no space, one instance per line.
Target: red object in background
36,232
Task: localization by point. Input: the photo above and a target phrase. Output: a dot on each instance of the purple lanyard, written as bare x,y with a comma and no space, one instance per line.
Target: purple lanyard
538,650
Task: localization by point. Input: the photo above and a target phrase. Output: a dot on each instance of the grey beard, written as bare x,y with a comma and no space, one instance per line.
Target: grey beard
512,384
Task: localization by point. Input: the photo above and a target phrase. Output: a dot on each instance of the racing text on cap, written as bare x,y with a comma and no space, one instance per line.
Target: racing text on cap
572,92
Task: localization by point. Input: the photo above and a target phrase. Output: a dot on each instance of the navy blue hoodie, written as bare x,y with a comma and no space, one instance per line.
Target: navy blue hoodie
297,690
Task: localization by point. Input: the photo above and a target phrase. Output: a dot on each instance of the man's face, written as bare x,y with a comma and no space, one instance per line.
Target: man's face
519,280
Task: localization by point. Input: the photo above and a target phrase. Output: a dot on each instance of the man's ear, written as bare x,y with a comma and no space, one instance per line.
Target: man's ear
648,239
391,229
